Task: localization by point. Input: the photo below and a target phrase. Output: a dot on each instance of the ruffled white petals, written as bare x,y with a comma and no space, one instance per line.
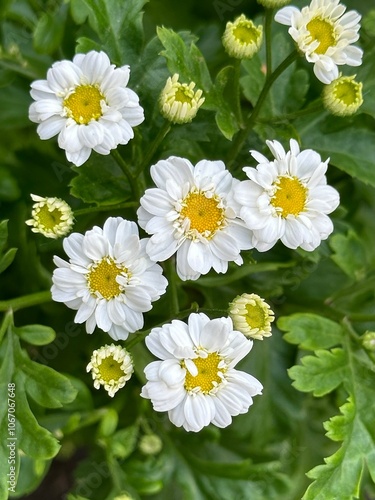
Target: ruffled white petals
102,124
196,381
109,278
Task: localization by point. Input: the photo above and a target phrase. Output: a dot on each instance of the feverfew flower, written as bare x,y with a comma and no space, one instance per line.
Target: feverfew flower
251,315
109,278
287,198
242,39
87,104
195,381
51,217
179,103
324,34
343,96
192,212
111,366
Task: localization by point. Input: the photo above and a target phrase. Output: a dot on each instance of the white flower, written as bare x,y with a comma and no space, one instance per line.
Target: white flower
242,39
87,104
51,217
251,315
109,278
179,102
324,34
195,381
287,198
192,212
111,366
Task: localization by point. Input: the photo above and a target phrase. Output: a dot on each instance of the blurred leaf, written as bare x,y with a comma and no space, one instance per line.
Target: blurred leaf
49,30
9,189
310,331
85,44
108,423
79,11
35,334
7,259
349,254
3,234
14,104
123,442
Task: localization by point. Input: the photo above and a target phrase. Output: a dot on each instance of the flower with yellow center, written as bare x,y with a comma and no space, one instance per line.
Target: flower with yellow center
195,379
242,39
287,198
87,103
109,279
324,33
343,96
192,212
51,217
111,366
179,102
251,315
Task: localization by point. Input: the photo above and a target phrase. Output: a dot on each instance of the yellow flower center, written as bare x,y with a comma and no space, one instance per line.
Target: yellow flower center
102,278
323,31
246,33
49,218
207,375
184,94
347,92
83,105
204,213
290,197
110,369
256,316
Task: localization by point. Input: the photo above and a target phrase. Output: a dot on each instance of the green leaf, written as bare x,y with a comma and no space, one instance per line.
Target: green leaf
7,259
101,181
36,334
225,117
310,331
349,254
123,442
320,374
108,423
3,234
9,189
49,30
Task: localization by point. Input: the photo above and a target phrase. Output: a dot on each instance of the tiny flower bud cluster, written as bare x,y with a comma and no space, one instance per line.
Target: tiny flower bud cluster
51,217
179,103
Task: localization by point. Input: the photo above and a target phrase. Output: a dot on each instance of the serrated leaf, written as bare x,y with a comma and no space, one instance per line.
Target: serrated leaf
320,374
49,30
349,254
310,331
35,334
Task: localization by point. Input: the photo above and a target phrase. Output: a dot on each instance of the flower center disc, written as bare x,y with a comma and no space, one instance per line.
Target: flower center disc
255,316
204,213
246,33
207,373
322,31
110,369
102,278
184,95
347,92
49,219
83,105
290,196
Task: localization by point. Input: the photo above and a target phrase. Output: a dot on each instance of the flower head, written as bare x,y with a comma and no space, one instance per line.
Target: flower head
287,198
368,340
251,315
109,278
51,217
179,103
242,39
325,34
150,444
271,4
343,96
192,212
195,380
111,366
86,102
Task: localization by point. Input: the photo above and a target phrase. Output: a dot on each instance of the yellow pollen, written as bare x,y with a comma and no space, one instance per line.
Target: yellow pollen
102,278
204,213
110,369
323,31
256,316
290,197
246,33
207,373
184,95
347,92
83,105
49,218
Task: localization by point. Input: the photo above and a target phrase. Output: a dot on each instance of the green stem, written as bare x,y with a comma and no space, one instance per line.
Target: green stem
174,306
291,116
163,131
361,318
26,301
124,167
8,320
268,38
236,89
242,134
119,206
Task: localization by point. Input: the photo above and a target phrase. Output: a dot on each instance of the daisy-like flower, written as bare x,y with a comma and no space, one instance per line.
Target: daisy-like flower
242,39
195,380
111,366
51,217
287,198
109,278
86,102
192,212
251,315
179,102
343,96
325,34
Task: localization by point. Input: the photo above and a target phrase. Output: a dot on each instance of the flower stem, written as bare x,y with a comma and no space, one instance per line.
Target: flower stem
267,34
242,134
32,299
124,167
105,208
163,131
